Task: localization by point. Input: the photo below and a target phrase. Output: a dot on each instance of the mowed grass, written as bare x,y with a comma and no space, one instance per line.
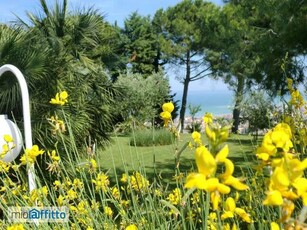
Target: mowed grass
159,161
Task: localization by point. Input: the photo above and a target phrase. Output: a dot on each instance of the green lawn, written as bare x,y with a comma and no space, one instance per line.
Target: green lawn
160,160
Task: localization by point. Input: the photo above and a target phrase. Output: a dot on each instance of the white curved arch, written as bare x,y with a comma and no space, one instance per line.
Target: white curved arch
26,115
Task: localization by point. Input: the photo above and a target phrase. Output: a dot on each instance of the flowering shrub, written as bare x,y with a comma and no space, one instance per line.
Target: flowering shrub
213,196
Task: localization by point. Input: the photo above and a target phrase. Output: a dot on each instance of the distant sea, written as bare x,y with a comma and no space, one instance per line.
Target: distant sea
218,102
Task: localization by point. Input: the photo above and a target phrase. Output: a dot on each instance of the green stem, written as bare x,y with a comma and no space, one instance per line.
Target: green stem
177,155
207,208
280,216
219,219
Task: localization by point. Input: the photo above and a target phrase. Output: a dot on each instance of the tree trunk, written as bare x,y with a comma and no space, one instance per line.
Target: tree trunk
185,91
156,63
238,100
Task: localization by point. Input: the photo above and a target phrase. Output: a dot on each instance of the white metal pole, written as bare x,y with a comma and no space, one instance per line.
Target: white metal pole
26,116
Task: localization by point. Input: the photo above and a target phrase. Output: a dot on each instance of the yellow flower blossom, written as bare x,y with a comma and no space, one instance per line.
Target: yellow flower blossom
67,182
301,185
108,211
16,227
197,180
235,183
60,200
213,184
5,150
57,184
287,210
175,196
60,98
222,154
231,209
166,115
296,99
273,198
207,166
228,179
244,216
212,221
210,185
227,227
276,140
44,190
290,84
115,193
77,183
57,124
205,162
274,226
124,178
215,198
71,194
101,182
279,138
216,134
95,205
138,182
210,134
125,203
197,137
53,155
168,107
82,207
131,227
34,195
93,165
30,155
7,138
158,192
208,118
4,166
287,174
73,208
230,206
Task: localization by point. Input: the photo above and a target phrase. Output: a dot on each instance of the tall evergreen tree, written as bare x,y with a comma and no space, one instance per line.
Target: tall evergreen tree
187,25
279,29
252,41
143,44
232,55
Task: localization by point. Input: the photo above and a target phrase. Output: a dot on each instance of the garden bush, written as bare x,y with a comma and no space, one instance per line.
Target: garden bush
141,96
153,137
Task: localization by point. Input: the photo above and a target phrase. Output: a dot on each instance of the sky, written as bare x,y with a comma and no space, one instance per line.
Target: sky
114,11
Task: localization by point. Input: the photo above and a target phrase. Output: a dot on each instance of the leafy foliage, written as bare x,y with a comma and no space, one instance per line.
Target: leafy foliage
187,26
141,45
195,125
141,96
15,49
148,137
68,49
257,109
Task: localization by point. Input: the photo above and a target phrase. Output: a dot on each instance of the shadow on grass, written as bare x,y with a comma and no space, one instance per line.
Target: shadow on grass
245,140
164,172
161,172
242,154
